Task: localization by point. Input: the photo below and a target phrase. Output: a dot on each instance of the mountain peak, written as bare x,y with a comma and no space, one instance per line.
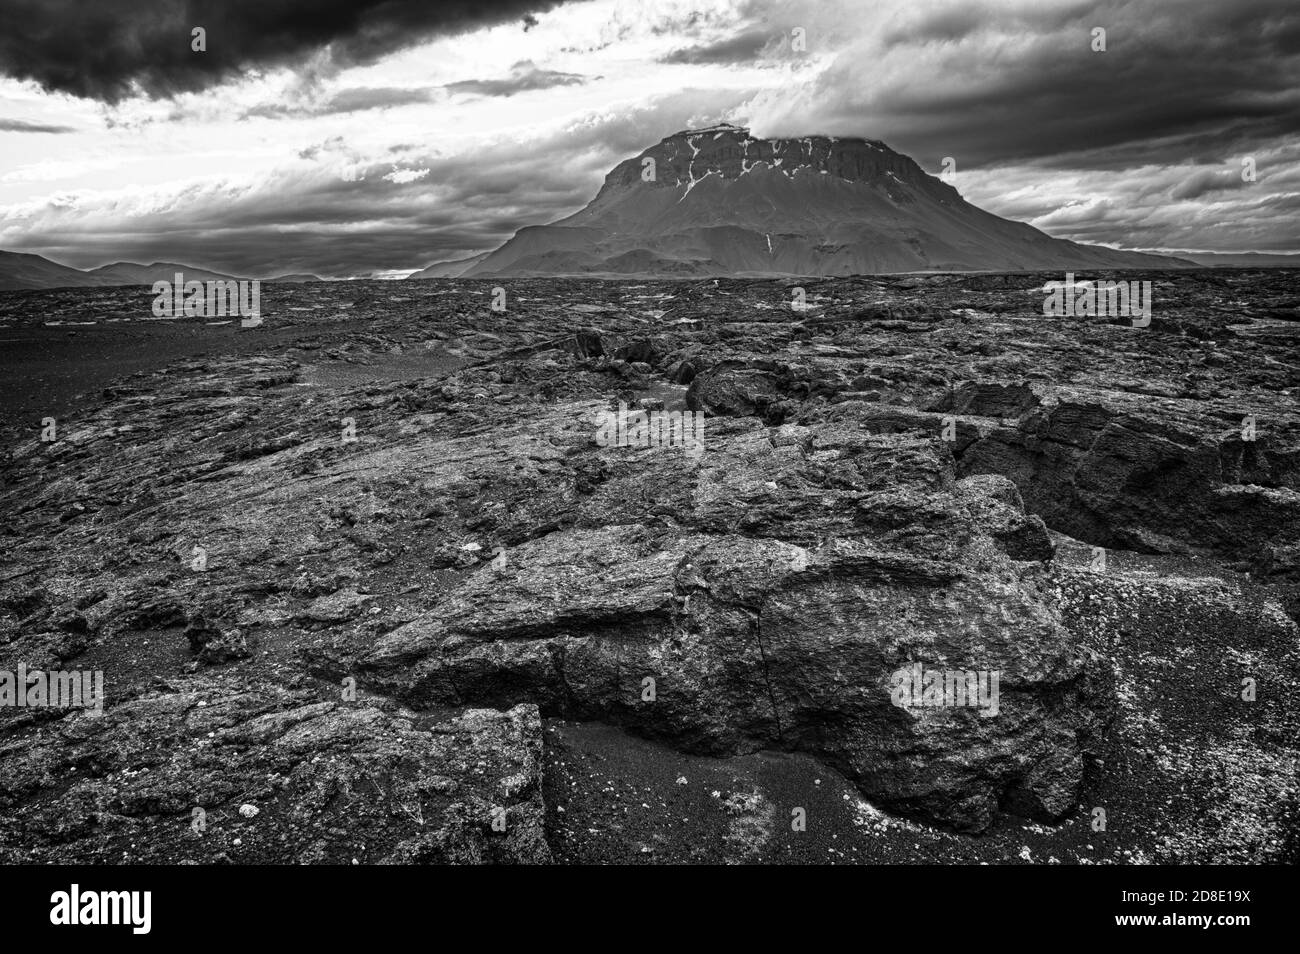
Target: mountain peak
743,133
731,152
716,129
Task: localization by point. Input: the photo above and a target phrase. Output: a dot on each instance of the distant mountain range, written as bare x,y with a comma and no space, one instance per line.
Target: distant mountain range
19,270
718,201
1241,259
129,273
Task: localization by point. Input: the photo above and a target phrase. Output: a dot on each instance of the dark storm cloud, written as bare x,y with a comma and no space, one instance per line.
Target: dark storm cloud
1206,181
954,24
110,50
21,125
1196,80
743,48
524,77
1268,223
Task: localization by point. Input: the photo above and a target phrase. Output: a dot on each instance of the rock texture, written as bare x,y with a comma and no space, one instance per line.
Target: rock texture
402,493
216,769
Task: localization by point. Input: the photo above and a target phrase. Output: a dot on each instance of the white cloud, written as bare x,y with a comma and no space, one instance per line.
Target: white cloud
401,176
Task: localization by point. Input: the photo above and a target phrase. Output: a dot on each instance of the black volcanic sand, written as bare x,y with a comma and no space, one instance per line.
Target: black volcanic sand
613,798
58,350
1185,771
49,371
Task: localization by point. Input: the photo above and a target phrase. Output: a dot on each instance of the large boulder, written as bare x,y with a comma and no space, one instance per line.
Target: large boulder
765,595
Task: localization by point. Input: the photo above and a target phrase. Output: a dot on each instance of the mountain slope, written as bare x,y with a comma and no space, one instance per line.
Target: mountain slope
451,269
19,270
294,278
1243,259
717,201
130,273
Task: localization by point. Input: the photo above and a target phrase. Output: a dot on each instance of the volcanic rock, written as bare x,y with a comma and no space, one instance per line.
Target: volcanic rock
914,470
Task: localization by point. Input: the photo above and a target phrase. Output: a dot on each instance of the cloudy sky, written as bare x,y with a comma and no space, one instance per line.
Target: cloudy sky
348,137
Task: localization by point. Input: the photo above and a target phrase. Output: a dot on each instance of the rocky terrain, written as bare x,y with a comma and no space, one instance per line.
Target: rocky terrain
366,587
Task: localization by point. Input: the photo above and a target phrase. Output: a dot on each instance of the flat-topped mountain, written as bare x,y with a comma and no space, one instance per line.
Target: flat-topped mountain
718,201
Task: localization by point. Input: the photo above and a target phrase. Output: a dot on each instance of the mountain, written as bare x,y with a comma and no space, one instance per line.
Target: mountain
129,273
452,269
296,278
717,201
19,270
1243,259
